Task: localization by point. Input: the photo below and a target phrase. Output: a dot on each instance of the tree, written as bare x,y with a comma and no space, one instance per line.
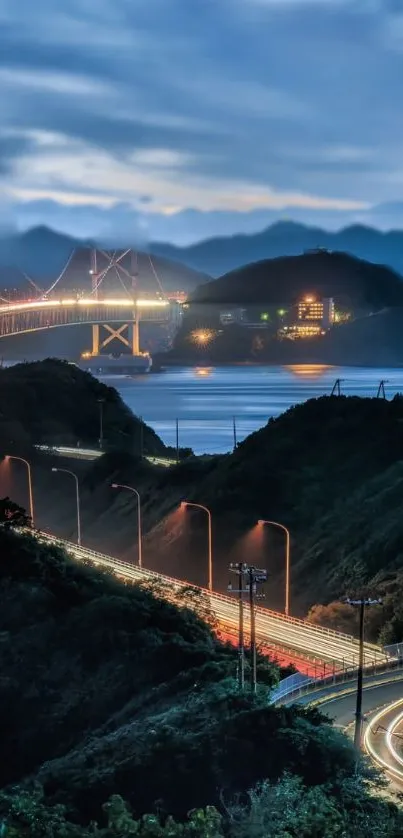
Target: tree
12,515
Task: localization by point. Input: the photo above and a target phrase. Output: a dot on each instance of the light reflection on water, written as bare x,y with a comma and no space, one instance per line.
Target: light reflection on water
205,399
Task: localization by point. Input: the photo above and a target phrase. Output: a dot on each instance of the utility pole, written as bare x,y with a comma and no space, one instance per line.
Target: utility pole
381,394
101,403
336,389
252,590
177,439
254,577
141,437
234,432
239,569
361,603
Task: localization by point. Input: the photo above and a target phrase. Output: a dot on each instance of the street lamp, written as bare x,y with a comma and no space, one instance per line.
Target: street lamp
31,497
135,492
362,603
72,474
186,503
287,560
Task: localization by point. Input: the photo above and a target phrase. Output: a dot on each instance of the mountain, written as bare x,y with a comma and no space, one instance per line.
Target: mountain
220,255
43,253
357,283
115,225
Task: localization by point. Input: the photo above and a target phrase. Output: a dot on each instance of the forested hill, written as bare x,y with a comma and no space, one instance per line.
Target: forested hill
54,402
108,691
285,279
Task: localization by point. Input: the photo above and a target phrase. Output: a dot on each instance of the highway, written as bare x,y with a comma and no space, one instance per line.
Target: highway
94,454
272,628
382,709
383,738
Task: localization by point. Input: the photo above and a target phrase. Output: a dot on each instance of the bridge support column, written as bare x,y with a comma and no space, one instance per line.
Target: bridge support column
127,334
95,340
136,333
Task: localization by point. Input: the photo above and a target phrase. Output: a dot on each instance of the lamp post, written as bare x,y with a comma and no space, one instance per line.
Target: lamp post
287,560
31,496
72,474
139,535
186,503
362,603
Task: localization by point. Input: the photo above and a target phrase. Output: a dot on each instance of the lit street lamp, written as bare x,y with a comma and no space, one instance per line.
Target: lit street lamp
186,503
287,560
66,471
31,497
139,535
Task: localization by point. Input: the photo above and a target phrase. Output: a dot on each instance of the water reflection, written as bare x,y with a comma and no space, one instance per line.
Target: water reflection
205,399
309,370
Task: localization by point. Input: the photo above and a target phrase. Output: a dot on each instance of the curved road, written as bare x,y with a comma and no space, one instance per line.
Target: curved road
383,740
382,708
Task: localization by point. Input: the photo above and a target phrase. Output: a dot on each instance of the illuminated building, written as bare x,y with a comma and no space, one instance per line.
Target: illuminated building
301,330
233,315
321,311
314,318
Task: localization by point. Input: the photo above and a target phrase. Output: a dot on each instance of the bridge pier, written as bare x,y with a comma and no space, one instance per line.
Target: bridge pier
126,333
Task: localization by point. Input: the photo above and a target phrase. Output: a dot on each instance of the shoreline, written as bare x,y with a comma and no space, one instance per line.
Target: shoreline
160,365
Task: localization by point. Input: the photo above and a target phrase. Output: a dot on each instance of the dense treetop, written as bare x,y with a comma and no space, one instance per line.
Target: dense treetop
285,279
55,402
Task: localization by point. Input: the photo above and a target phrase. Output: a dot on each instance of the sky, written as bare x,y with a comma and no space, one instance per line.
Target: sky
180,118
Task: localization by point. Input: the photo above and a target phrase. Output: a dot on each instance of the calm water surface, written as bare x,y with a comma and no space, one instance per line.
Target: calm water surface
205,400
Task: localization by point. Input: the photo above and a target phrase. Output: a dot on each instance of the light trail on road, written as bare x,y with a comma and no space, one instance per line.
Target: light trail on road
70,302
94,454
380,741
291,633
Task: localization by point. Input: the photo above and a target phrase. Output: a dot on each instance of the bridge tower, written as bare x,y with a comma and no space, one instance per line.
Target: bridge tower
125,335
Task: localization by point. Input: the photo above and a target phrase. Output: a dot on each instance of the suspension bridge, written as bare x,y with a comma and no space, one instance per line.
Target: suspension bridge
98,288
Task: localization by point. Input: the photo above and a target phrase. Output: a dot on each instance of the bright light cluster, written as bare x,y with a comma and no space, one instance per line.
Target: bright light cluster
9,308
202,337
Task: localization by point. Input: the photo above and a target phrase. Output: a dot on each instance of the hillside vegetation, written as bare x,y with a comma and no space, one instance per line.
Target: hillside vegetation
285,279
55,403
329,469
108,691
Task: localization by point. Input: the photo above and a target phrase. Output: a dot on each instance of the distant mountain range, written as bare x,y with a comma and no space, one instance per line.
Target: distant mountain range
115,225
42,252
221,255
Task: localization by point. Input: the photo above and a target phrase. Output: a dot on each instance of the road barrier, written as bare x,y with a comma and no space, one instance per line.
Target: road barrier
292,688
315,643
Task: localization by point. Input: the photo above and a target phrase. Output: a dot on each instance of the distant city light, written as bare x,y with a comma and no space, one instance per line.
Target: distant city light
281,312
264,316
202,337
309,299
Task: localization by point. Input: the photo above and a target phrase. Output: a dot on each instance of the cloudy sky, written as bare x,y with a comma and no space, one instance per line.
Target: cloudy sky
128,114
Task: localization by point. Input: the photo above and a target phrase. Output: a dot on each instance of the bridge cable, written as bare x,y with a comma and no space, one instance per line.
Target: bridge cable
62,273
156,275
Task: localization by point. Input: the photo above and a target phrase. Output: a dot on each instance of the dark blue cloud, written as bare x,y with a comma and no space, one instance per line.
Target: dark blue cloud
297,96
